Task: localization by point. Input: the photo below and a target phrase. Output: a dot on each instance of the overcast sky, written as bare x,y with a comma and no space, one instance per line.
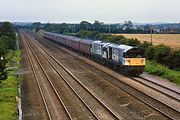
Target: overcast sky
74,11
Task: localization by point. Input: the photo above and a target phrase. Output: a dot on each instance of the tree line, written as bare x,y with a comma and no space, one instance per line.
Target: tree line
7,42
64,28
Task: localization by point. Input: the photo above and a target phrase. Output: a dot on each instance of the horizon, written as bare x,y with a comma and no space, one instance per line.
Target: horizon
122,22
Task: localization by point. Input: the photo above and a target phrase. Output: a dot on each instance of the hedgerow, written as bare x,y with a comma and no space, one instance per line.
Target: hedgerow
159,53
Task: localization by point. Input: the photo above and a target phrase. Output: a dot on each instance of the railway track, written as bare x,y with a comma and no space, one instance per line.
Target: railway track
163,86
109,113
171,93
160,110
48,108
153,106
36,78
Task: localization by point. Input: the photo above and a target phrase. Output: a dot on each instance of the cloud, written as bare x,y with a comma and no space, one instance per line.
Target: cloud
78,10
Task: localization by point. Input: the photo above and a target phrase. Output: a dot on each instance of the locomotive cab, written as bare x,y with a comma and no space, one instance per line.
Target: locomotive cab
134,57
134,61
129,59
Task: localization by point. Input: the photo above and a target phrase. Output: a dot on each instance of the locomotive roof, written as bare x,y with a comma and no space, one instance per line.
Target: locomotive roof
105,44
97,41
125,48
100,42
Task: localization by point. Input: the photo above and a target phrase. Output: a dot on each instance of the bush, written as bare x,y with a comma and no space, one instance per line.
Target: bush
161,54
3,75
149,53
145,45
174,60
133,42
111,38
121,40
88,34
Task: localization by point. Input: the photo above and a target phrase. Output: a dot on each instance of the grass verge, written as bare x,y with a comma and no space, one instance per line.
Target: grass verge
9,89
156,69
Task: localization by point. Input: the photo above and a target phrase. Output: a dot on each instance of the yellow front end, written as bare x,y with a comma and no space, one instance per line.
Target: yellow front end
135,62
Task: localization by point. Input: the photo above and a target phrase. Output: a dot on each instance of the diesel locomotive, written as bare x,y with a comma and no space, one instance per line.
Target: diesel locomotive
127,59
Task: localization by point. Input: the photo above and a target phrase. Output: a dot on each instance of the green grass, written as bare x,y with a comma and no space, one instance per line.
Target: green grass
9,89
13,58
8,93
156,69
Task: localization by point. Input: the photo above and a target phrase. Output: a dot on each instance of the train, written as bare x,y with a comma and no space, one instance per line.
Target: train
123,58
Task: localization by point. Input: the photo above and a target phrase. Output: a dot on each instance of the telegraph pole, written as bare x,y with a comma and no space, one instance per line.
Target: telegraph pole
151,34
109,29
74,28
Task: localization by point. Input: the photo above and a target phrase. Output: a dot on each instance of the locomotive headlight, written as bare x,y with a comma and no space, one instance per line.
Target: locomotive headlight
143,61
1,57
128,61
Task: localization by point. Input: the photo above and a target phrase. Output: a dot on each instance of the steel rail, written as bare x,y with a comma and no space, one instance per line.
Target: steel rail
156,89
142,93
50,82
37,80
78,81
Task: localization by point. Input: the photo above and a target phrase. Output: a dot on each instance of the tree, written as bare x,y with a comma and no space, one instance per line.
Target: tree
84,25
98,26
7,29
8,35
147,29
133,42
7,41
145,45
174,60
63,28
3,44
88,34
2,60
36,26
127,25
3,74
149,53
161,54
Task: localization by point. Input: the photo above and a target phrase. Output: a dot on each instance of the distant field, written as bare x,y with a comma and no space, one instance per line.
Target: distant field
172,40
